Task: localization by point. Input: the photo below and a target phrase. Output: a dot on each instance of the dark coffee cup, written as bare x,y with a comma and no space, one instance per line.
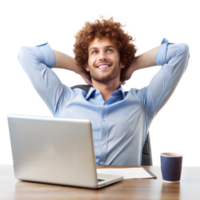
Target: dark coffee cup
171,166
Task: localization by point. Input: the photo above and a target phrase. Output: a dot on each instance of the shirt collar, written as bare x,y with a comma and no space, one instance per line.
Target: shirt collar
93,91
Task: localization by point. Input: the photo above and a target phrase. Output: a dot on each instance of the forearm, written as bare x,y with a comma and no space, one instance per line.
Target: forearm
65,62
145,60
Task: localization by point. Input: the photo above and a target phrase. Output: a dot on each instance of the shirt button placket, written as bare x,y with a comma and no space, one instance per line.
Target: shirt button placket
104,136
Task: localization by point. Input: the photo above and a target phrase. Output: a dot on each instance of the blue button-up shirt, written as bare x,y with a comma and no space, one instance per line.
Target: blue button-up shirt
121,123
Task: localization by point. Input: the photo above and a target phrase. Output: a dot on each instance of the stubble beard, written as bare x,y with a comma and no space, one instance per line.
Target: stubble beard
103,79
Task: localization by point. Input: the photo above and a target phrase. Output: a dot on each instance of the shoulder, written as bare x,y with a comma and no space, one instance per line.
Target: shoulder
140,94
74,92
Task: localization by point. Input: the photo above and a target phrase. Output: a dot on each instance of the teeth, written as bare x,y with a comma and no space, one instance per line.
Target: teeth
103,66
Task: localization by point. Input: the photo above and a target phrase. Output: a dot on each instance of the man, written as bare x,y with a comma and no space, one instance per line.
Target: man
105,58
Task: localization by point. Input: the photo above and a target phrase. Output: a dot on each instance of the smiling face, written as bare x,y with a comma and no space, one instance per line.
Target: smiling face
103,61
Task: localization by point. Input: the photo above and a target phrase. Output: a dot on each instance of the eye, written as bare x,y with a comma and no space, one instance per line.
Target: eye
93,52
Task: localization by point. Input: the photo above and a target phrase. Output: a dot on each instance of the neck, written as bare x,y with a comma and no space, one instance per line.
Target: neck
106,88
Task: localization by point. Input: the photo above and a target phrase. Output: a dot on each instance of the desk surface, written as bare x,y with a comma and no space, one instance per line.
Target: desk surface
188,188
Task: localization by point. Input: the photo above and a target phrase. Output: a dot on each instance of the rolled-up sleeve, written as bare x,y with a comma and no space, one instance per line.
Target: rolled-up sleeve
174,61
37,63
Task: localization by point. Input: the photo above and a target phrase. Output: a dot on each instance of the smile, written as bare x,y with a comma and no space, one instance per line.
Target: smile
104,67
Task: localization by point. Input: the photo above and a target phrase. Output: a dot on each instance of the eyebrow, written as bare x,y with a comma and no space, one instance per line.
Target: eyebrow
110,46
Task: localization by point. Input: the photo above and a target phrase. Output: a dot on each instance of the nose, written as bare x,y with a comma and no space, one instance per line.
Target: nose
102,57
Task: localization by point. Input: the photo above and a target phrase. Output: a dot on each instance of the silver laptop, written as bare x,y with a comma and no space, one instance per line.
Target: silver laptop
56,151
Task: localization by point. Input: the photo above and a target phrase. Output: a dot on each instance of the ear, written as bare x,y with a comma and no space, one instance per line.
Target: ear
87,67
122,65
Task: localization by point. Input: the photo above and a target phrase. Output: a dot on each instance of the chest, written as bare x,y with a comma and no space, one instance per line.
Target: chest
121,115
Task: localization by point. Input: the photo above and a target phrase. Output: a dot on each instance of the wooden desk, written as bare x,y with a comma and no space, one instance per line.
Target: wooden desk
188,188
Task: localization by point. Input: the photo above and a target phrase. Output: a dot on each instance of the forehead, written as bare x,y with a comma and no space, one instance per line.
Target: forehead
100,43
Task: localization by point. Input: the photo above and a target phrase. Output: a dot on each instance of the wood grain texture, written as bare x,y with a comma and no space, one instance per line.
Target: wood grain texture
188,188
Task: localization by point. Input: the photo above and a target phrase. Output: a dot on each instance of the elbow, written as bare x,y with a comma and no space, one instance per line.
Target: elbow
184,49
22,49
26,54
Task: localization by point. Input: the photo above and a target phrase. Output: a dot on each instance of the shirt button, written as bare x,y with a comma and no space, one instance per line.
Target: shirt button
104,119
103,143
101,163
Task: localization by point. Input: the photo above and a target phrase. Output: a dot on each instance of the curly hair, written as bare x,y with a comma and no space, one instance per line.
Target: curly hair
111,30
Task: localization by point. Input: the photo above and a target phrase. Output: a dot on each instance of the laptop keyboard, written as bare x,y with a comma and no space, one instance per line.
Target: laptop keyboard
99,180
